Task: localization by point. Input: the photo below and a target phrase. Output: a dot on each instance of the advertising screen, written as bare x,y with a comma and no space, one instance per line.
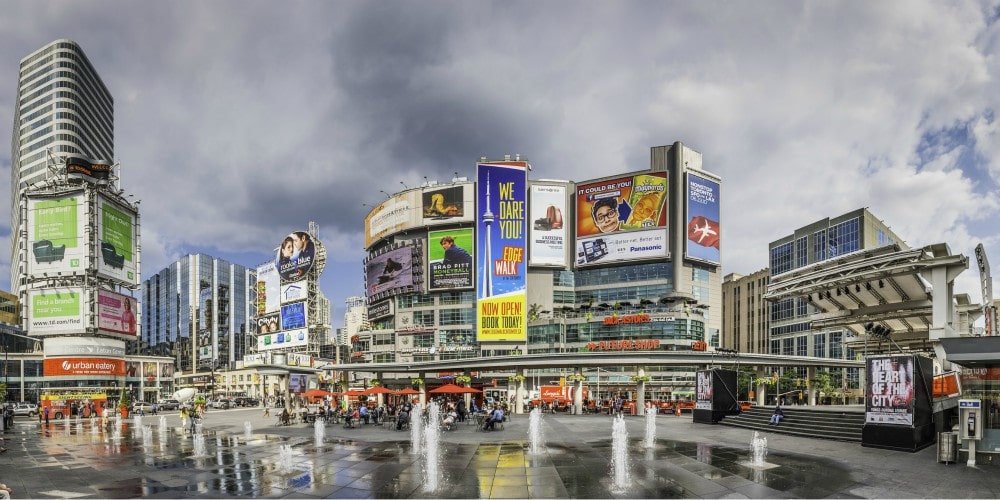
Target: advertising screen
889,395
622,219
116,232
269,323
293,316
268,289
703,394
56,235
500,251
282,340
116,314
703,219
623,204
549,232
450,256
295,256
444,203
388,271
56,311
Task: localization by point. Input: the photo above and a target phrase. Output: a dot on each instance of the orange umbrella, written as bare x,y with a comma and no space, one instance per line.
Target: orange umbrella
316,393
378,390
408,391
449,389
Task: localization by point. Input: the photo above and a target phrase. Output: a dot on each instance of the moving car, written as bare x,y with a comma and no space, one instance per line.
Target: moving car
221,404
142,405
169,404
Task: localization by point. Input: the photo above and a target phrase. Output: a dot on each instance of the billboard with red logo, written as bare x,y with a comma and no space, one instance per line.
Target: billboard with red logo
702,219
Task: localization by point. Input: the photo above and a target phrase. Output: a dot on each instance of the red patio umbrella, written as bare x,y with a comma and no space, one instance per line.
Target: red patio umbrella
378,390
408,391
316,393
449,389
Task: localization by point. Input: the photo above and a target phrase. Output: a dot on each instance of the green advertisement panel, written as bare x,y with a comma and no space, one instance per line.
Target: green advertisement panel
56,311
56,235
117,234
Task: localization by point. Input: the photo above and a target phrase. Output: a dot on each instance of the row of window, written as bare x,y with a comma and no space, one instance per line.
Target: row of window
836,240
75,92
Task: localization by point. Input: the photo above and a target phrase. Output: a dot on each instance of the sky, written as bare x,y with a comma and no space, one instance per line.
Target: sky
238,122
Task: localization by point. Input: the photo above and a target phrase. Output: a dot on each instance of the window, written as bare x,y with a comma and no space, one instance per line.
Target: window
781,258
425,318
699,275
819,345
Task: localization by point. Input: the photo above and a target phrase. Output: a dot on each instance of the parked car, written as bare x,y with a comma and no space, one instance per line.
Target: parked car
169,404
221,404
29,409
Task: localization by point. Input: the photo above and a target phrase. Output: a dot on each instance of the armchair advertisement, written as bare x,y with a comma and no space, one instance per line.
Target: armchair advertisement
116,233
56,235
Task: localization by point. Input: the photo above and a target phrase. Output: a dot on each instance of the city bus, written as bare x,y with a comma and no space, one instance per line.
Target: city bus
70,404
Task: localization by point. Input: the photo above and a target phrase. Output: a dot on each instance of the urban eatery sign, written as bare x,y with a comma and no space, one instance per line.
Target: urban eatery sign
624,345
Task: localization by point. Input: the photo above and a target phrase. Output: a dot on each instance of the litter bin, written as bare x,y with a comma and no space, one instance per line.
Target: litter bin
947,448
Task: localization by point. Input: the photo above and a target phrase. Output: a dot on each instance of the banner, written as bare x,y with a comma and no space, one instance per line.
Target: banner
84,367
889,396
450,256
56,311
500,251
622,247
295,256
549,232
703,219
268,288
116,229
56,229
282,340
115,313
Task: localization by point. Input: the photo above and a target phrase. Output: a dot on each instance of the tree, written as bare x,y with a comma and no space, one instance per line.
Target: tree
533,311
823,383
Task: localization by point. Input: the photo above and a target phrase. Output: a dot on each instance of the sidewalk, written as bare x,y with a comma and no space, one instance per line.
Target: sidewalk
688,461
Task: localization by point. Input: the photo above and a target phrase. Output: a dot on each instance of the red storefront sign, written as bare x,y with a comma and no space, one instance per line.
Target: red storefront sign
624,345
631,319
83,367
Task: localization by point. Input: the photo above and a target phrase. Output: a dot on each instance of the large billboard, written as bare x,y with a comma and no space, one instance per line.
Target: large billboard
56,311
268,289
295,256
282,340
500,251
549,232
116,229
702,219
622,219
443,203
116,314
293,316
390,271
889,398
390,216
56,232
450,256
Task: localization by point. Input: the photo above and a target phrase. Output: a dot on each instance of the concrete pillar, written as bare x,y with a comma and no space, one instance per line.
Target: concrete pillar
578,391
810,375
761,393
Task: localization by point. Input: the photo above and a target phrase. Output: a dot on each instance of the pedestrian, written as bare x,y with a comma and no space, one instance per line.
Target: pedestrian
5,491
46,411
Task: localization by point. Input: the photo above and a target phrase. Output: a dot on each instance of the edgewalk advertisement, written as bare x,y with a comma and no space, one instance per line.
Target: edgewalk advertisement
500,251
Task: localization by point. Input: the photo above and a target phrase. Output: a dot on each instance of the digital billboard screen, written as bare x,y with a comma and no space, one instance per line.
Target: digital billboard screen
703,219
450,256
388,271
622,219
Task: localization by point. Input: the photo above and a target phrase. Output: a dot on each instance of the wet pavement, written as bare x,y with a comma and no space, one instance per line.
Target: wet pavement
687,461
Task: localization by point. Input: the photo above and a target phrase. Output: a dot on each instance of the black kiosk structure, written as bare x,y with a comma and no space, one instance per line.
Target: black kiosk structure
899,403
716,396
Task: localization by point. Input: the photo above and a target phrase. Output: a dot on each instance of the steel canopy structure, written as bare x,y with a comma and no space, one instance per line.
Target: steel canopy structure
909,291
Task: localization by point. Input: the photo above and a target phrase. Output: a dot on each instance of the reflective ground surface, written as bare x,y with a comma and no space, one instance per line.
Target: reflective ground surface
689,461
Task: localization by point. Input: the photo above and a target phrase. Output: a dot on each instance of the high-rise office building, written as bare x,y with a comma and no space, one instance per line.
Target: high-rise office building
62,110
745,312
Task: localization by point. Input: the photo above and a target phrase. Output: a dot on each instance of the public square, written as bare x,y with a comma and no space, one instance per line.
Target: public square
688,460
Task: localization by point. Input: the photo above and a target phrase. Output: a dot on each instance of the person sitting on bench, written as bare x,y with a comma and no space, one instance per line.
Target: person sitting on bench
403,419
495,417
286,418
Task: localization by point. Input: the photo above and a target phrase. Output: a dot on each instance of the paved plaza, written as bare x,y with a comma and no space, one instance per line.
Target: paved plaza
688,460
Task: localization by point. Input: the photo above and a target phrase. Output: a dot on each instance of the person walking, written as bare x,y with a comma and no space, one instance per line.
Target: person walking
46,411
